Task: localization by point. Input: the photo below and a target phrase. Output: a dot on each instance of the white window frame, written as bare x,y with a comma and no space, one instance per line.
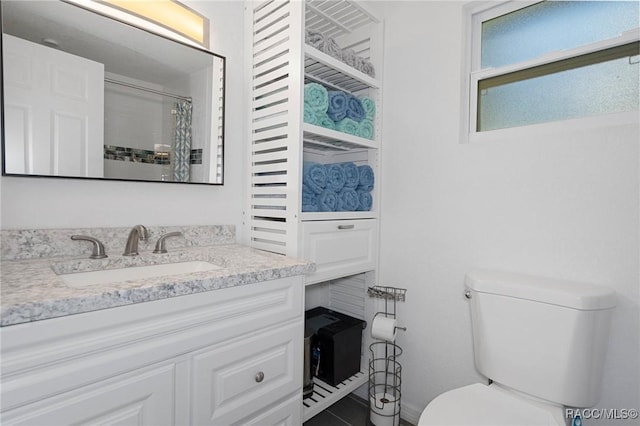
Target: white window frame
474,13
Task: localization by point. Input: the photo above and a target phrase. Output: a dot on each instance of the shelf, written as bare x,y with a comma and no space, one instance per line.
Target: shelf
311,216
324,139
325,395
328,71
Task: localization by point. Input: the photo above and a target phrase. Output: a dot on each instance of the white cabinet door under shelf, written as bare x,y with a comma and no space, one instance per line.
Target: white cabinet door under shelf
138,398
339,247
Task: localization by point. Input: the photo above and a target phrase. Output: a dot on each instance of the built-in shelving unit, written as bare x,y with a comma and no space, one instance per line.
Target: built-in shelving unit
343,244
324,394
332,73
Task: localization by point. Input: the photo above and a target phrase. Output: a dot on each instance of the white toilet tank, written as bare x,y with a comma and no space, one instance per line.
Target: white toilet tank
543,337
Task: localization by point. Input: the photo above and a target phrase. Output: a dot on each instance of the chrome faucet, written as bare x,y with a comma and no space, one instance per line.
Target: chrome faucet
160,245
98,247
138,232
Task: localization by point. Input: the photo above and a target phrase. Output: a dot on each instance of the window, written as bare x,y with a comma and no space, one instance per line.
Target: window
540,62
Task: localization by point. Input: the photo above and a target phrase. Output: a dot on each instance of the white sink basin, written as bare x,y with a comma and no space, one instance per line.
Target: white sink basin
83,279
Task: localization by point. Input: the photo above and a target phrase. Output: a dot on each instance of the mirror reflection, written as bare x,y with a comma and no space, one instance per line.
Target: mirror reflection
89,96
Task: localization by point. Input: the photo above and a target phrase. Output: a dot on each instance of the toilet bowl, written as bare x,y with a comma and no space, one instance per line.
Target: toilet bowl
491,405
542,342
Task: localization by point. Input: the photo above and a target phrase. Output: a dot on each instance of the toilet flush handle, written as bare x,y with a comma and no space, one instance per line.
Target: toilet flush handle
467,294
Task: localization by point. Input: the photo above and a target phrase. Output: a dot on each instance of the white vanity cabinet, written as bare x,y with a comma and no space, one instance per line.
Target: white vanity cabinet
223,357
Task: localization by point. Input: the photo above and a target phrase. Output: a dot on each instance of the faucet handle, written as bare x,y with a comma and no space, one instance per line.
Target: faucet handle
160,246
98,247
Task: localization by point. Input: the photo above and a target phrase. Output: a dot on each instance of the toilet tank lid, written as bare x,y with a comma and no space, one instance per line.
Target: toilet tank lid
572,294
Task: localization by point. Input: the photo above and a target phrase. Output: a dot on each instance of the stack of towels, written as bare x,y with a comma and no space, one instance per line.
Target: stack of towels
338,187
329,46
338,110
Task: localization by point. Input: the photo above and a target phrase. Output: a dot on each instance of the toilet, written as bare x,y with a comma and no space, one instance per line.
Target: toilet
540,342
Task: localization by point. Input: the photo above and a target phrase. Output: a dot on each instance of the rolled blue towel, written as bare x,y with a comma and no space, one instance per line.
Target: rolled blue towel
325,121
352,175
365,201
327,201
348,200
355,111
314,176
309,200
335,177
365,129
338,104
347,125
316,96
366,178
369,107
310,116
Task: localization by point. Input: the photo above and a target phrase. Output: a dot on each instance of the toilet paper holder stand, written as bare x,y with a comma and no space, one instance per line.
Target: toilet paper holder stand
385,372
390,295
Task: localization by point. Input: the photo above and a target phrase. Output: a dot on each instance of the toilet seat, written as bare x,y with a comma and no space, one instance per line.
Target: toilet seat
492,405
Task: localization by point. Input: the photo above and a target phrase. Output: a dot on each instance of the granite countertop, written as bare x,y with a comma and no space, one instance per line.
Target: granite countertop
33,290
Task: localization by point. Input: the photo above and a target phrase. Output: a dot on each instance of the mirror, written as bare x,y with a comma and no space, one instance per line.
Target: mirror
88,96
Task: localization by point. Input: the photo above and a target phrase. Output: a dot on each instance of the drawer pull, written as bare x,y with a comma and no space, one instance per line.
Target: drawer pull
259,377
346,226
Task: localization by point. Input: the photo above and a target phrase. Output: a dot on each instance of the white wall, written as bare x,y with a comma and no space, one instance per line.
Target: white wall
564,205
59,203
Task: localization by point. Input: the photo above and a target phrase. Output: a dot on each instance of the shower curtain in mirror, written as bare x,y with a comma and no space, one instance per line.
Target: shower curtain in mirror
182,151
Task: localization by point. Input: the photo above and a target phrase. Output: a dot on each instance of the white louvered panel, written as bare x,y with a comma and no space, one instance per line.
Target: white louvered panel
269,236
270,76
271,213
347,295
268,16
262,56
269,44
269,246
264,224
263,134
276,63
270,123
268,179
269,145
273,98
269,202
267,8
269,156
269,168
259,93
275,124
272,110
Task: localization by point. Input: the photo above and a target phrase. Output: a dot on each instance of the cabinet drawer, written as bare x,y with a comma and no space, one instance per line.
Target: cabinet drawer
138,398
340,248
232,382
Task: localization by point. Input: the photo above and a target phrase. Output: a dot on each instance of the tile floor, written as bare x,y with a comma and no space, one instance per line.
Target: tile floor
349,411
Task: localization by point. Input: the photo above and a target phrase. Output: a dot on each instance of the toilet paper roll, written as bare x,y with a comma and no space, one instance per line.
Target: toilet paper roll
384,410
383,328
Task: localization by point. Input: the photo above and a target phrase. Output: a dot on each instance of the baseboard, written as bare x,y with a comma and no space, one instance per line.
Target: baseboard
410,413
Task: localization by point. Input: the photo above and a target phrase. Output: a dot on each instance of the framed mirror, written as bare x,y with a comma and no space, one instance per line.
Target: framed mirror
88,96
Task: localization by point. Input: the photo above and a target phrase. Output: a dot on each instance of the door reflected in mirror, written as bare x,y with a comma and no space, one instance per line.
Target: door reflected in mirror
87,96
